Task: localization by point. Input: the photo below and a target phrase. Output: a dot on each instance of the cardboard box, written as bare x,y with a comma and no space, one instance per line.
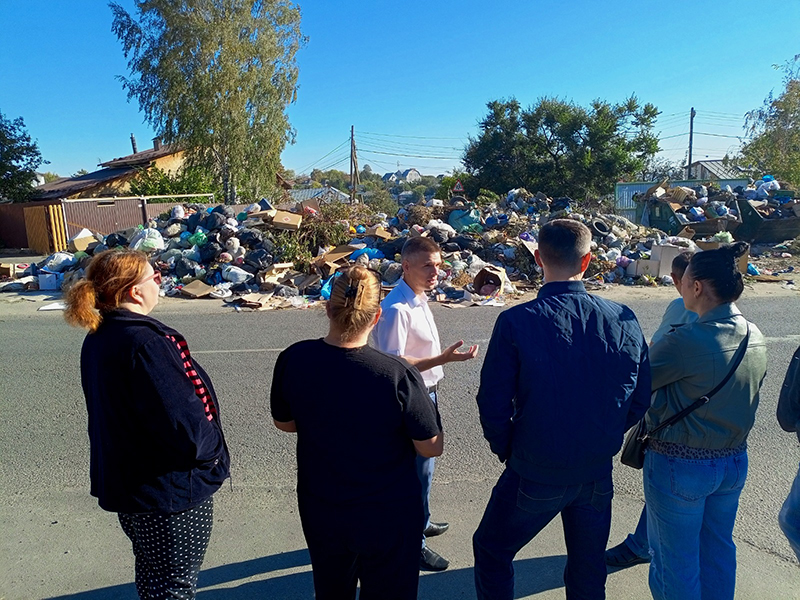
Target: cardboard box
379,232
742,262
81,241
8,270
287,220
643,267
50,281
489,275
665,255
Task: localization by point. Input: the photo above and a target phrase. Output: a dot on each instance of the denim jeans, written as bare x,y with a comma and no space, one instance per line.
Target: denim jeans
637,541
691,509
519,509
425,467
789,518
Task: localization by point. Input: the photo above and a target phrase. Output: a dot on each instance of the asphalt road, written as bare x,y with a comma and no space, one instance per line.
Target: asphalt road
56,542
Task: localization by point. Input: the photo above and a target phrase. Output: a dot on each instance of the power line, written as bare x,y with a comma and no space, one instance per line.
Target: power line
736,137
674,136
324,157
408,144
415,137
411,155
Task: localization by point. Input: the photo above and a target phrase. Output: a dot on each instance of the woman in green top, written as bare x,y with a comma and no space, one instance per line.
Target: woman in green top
694,470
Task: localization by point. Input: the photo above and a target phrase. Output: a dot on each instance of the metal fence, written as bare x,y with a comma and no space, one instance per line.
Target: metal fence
624,192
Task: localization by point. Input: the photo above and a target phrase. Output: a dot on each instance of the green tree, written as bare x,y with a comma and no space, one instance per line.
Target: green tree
448,182
50,177
19,160
215,77
561,148
189,180
773,131
80,173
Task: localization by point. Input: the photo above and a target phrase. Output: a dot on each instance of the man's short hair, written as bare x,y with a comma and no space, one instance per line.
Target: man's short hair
564,242
419,245
680,262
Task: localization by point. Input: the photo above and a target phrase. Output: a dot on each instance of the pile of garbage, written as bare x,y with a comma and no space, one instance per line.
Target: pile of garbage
262,257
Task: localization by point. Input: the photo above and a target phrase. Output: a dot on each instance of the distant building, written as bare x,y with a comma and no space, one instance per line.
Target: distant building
715,169
114,178
407,176
322,194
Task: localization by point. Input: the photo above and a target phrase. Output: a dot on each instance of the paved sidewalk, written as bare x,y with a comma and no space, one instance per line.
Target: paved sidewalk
75,551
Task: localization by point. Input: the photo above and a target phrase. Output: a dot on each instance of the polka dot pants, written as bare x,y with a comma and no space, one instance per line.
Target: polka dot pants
169,550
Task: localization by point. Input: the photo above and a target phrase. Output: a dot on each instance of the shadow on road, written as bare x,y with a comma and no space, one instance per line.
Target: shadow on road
533,575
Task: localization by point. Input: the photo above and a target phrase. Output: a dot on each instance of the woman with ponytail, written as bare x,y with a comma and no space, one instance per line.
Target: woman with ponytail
361,417
156,443
695,469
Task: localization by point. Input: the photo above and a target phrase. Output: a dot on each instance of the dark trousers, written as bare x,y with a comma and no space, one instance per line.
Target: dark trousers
169,550
519,509
377,546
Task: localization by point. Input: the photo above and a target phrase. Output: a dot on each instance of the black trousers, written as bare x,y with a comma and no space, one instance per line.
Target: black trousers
169,550
377,546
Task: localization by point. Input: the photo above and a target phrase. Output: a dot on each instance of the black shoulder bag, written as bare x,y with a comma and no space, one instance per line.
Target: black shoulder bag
638,437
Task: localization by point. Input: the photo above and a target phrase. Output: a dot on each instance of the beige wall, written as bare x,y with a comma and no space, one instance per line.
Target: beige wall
122,186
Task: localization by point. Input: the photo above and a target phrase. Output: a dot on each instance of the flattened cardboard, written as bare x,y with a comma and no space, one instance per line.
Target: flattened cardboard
287,220
81,244
665,255
379,232
647,267
196,289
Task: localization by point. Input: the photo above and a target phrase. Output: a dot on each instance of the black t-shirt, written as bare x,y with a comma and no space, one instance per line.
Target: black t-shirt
357,411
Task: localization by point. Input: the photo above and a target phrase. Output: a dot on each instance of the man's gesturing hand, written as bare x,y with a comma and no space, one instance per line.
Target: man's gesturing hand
451,353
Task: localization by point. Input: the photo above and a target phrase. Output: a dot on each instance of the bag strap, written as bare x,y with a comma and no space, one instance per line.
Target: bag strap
737,360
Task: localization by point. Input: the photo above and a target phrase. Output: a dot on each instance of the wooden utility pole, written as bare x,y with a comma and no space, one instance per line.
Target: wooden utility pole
354,179
691,136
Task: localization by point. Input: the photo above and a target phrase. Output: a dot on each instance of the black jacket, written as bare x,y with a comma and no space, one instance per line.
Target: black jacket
152,447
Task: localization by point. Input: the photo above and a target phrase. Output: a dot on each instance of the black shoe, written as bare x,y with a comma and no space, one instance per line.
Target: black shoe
622,557
435,529
431,561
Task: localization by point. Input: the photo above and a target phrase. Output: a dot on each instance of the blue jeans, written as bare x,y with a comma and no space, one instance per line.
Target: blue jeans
519,509
425,468
789,518
637,541
691,509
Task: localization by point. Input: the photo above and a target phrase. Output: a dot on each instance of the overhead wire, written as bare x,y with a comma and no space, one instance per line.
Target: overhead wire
304,169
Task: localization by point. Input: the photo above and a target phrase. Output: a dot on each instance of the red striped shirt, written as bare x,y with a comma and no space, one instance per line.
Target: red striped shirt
199,387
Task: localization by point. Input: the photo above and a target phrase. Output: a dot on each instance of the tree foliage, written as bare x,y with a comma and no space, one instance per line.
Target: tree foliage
774,131
19,160
561,148
189,180
215,77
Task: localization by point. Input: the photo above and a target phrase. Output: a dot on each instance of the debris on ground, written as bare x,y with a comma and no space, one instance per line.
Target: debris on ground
261,257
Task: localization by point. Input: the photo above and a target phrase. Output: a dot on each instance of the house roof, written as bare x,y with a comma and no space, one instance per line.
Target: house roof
407,171
719,169
143,158
324,193
73,185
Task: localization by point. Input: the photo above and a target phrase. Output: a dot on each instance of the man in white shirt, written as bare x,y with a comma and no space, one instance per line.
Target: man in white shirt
406,328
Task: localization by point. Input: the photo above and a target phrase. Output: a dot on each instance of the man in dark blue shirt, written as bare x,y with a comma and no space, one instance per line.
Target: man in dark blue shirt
565,376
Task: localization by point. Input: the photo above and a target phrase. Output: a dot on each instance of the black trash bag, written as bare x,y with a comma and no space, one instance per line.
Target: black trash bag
251,238
240,288
225,210
438,235
259,258
391,247
225,234
214,221
562,204
210,251
451,247
249,268
313,290
467,243
194,220
116,239
185,266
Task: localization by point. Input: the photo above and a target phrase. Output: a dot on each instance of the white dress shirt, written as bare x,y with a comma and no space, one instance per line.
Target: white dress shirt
406,328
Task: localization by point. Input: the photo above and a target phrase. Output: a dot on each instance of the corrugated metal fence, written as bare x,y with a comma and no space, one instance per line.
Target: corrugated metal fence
624,192
45,226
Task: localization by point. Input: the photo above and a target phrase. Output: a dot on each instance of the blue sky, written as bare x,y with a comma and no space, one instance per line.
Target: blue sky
414,77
